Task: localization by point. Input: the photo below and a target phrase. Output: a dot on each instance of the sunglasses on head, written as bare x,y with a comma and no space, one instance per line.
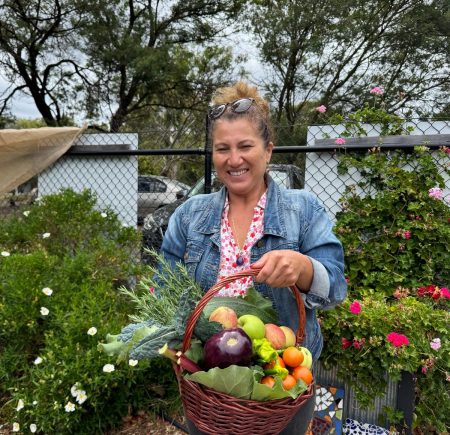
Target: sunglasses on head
237,106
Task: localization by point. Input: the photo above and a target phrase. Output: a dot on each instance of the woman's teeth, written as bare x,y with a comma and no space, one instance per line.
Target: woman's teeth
237,173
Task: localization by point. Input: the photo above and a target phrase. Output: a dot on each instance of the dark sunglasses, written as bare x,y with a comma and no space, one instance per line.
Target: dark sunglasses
237,106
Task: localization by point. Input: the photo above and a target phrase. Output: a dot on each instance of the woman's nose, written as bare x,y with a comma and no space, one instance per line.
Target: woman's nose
235,158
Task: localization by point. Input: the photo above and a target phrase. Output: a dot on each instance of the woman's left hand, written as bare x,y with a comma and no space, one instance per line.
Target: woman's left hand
284,268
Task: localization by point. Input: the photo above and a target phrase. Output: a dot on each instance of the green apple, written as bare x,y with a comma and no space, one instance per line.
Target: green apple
307,357
252,325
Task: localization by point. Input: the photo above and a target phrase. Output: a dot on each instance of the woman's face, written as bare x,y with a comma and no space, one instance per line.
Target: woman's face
239,156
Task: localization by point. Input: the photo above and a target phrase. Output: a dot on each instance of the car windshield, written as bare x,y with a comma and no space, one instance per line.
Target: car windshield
279,176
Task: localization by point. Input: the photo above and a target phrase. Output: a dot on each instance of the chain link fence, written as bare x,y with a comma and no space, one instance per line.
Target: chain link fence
113,166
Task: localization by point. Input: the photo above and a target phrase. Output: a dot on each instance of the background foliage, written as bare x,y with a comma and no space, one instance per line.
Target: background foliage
85,257
395,228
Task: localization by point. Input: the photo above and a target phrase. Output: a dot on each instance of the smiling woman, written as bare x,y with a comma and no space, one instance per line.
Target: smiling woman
253,223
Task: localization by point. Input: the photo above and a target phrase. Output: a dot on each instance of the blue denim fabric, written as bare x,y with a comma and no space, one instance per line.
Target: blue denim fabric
293,219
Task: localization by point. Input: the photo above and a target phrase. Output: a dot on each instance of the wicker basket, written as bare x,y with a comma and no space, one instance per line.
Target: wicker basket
218,413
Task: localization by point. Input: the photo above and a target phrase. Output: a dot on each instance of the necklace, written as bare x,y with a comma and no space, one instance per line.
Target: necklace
240,256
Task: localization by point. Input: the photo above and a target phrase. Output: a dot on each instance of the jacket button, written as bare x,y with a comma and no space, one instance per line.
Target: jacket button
260,244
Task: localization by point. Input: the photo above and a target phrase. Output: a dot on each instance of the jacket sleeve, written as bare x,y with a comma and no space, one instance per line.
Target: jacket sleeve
329,287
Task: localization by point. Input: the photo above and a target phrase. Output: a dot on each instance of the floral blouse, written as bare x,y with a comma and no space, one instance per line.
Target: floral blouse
229,251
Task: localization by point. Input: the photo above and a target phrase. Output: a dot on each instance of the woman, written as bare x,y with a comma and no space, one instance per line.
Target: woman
251,222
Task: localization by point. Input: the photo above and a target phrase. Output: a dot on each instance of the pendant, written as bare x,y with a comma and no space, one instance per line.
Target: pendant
239,260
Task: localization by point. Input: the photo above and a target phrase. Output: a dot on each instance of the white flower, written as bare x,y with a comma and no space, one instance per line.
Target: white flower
81,397
74,390
26,212
33,428
20,405
44,311
103,215
38,360
133,362
5,254
47,291
70,407
16,427
34,402
92,330
45,235
108,368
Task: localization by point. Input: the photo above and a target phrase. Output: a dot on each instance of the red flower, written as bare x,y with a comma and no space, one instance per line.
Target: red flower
345,343
397,339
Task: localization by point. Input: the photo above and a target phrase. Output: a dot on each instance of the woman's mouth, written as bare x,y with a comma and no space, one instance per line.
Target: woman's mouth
238,173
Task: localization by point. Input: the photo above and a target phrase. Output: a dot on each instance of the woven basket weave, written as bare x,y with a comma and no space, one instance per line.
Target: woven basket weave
217,413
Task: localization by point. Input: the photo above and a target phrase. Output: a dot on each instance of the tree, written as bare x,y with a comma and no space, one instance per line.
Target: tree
333,52
110,55
37,56
149,55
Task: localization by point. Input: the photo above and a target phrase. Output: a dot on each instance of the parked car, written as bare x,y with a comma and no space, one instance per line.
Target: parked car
155,224
155,191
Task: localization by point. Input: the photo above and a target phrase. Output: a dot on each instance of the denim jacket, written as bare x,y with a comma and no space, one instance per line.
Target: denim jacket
293,219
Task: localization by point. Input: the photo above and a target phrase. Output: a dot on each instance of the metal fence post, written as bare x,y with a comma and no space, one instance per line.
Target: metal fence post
208,157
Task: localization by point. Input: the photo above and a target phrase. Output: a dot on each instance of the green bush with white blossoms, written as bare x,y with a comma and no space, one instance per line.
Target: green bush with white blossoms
61,263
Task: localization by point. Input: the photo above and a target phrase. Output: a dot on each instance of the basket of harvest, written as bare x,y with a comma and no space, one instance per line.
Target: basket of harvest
238,371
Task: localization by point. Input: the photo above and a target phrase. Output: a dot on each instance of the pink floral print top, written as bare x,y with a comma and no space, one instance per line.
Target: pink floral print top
230,251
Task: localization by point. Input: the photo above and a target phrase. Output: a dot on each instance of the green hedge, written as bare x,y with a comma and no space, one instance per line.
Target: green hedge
82,255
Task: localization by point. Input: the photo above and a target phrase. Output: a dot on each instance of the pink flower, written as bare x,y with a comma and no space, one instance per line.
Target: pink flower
339,141
321,109
436,193
358,344
445,293
355,307
406,234
397,340
435,343
424,369
345,343
347,280
377,91
151,289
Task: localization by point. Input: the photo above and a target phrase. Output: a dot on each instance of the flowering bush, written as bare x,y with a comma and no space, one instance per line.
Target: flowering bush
60,266
395,228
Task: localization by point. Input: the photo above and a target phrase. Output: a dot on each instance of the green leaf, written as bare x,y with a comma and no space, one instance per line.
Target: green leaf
234,380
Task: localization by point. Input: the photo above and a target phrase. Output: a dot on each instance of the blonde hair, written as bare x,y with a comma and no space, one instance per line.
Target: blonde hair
258,114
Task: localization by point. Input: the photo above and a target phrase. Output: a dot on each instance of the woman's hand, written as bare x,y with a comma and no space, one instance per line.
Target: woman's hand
285,268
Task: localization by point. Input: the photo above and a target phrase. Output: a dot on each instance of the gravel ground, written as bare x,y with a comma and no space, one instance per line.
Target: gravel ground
146,424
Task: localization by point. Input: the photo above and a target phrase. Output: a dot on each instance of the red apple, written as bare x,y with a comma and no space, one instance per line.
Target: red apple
275,335
290,336
225,316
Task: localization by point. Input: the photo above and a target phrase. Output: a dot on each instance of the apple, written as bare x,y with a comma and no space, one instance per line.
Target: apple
252,325
290,336
226,316
275,335
307,357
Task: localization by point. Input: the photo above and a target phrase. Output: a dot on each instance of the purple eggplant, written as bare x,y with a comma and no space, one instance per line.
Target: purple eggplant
227,347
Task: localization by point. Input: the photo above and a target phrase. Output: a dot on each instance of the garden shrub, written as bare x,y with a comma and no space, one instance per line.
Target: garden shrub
61,264
395,228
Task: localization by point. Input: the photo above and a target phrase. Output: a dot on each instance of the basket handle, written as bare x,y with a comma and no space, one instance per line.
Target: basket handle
192,320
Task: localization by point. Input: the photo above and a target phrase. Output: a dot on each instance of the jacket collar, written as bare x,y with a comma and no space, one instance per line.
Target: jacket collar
273,219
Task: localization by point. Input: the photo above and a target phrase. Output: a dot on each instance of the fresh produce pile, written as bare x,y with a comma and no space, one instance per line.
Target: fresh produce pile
236,348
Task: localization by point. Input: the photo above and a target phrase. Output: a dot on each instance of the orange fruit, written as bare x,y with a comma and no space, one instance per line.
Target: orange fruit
268,380
292,356
271,364
303,373
288,382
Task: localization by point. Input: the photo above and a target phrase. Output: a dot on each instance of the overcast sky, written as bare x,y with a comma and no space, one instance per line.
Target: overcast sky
22,106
